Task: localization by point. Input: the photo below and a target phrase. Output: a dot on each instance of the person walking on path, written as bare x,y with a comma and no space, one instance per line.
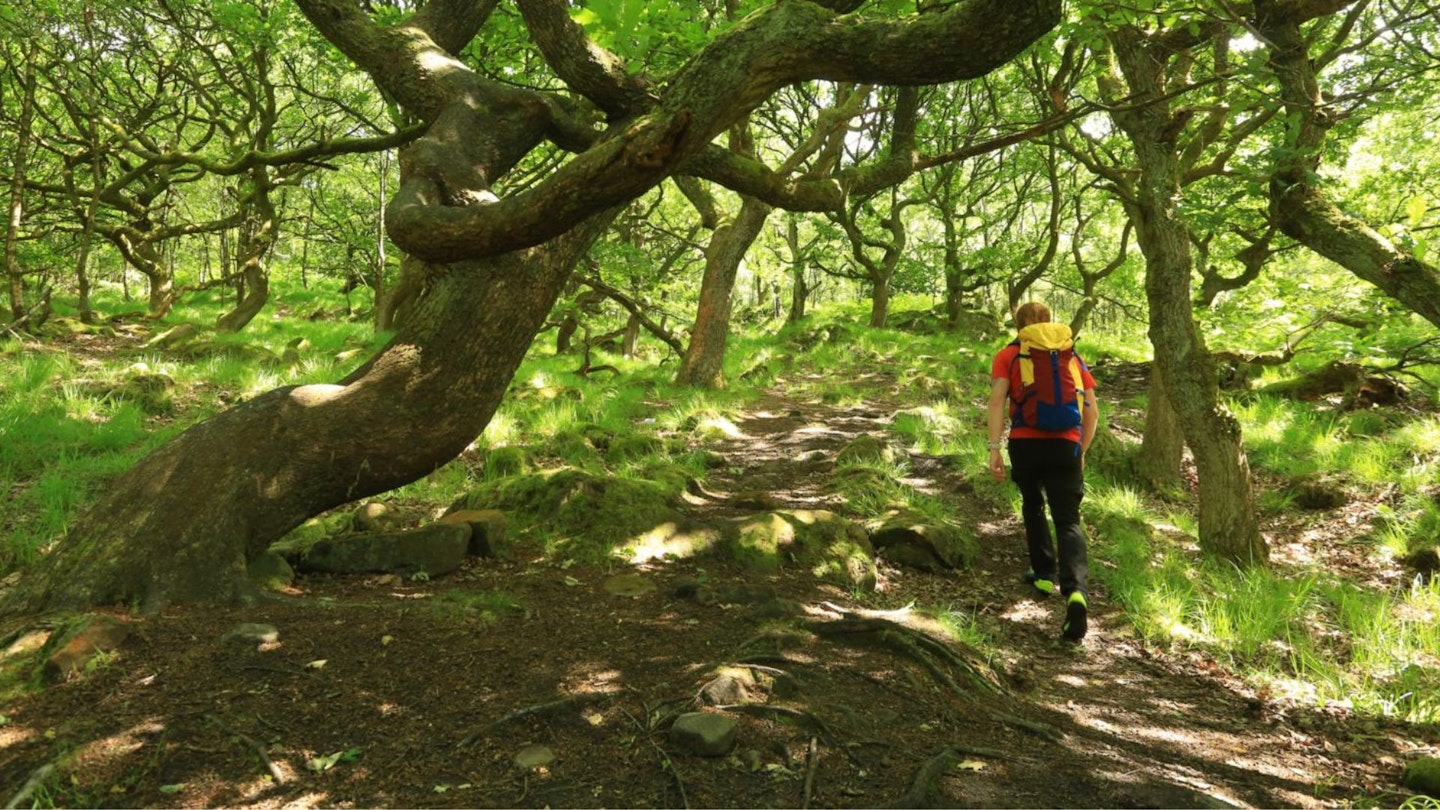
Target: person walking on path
1052,420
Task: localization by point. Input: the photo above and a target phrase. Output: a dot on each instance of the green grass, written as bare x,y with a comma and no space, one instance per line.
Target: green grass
1299,634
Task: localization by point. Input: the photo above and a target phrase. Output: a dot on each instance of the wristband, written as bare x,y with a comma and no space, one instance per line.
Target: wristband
994,445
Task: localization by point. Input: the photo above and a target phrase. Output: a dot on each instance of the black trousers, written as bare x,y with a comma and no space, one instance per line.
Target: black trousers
1049,470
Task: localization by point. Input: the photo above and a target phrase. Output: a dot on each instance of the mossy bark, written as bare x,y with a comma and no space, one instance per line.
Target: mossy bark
1228,527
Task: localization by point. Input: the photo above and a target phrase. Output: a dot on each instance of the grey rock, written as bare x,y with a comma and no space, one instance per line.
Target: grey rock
533,756
703,734
487,529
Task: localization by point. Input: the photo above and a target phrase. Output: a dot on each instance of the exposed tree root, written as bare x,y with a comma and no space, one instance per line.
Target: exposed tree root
812,760
37,778
540,710
1044,730
924,788
923,648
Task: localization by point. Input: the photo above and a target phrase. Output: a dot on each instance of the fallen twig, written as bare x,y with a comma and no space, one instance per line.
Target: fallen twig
665,761
812,760
254,745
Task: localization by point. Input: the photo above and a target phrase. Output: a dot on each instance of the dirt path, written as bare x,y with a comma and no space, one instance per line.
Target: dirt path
389,692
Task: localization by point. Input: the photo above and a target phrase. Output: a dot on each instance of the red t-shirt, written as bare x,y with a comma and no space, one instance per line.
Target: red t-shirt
1000,370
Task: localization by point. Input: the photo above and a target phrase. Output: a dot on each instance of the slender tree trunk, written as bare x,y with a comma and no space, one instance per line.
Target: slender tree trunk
704,362
880,302
17,191
632,335
799,289
260,233
1163,445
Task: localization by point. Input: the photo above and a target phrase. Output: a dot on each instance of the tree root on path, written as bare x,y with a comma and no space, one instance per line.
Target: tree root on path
812,760
924,788
541,710
921,647
666,764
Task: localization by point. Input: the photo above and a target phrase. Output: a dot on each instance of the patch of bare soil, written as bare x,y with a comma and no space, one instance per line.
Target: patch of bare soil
388,692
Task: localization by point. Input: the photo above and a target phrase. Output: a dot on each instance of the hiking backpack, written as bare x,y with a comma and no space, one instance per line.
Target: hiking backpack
1045,379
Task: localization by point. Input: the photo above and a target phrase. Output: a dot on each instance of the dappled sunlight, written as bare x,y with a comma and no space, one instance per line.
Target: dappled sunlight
12,734
668,541
719,425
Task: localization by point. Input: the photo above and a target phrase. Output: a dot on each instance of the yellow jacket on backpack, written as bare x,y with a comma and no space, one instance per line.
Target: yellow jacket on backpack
1046,337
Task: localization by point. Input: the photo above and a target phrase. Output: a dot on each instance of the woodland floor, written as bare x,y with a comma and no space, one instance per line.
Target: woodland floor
848,719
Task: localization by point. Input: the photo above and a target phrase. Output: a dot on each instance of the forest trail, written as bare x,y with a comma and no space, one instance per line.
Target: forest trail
1142,728
384,691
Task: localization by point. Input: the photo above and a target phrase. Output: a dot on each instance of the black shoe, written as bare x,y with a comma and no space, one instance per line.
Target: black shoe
1043,587
1076,623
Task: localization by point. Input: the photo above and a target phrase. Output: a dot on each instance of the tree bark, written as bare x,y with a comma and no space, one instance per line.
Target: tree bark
704,362
1163,445
1228,527
18,169
1297,204
183,522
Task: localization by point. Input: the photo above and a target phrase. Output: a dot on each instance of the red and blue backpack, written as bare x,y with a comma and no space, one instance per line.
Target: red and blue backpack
1045,379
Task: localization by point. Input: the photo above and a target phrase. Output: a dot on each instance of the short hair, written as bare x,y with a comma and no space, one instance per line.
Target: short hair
1033,312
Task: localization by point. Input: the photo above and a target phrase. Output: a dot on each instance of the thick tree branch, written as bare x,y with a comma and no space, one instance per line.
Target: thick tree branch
782,44
590,70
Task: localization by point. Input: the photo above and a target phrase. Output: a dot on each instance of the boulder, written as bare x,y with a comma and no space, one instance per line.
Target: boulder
270,571
487,529
703,734
917,542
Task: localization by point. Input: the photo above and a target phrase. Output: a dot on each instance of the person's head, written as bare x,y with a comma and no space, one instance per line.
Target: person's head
1033,312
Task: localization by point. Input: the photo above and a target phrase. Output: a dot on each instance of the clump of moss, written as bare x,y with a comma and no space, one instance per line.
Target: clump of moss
831,547
603,510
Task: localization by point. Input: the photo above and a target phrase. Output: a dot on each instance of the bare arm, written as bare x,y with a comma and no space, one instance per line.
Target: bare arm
1089,419
999,392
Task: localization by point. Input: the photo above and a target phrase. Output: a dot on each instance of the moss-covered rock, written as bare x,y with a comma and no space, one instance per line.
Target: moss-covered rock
1321,492
628,447
832,548
502,462
920,542
1423,776
294,545
578,503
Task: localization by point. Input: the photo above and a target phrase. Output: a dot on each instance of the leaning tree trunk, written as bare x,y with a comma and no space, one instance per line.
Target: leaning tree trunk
175,527
704,362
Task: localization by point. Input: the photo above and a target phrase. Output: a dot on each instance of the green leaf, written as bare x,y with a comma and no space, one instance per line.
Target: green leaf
1415,209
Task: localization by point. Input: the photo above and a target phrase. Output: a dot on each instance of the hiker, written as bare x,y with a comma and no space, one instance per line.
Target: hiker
1052,419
